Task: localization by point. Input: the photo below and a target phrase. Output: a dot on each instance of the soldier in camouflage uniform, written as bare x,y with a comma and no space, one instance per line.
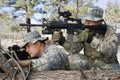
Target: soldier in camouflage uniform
43,56
49,57
100,46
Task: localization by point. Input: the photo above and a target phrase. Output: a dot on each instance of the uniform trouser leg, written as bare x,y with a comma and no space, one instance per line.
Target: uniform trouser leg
106,66
78,61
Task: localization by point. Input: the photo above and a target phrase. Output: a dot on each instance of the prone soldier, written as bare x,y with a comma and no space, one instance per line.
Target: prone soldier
100,46
43,56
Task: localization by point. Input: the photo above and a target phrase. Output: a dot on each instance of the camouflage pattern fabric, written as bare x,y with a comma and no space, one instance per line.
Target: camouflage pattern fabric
4,63
33,37
72,48
94,13
6,66
54,58
102,50
79,61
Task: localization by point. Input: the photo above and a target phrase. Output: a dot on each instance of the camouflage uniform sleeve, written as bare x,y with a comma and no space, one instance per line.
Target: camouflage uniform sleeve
106,45
73,47
54,58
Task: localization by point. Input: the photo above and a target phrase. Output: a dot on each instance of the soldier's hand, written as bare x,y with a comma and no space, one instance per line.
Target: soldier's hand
55,36
58,37
84,36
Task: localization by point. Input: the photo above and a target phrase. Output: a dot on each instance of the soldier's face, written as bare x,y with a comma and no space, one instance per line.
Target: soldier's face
33,49
92,23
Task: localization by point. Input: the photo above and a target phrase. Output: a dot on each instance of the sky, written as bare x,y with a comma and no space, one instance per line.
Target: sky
102,3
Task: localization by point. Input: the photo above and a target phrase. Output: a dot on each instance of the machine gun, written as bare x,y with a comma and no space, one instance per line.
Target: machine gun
50,26
17,53
70,24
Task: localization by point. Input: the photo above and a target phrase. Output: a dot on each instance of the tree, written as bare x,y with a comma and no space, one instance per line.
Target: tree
78,7
28,6
1,2
112,13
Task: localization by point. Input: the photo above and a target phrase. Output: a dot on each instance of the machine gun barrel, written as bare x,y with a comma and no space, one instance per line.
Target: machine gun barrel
35,25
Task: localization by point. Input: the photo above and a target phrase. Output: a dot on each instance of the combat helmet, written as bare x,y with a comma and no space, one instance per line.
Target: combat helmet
94,13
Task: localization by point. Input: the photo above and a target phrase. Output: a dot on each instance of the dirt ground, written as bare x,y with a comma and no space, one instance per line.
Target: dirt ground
75,75
71,75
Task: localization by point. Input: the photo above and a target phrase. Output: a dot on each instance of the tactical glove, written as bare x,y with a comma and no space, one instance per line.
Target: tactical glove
82,36
58,37
85,36
55,36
